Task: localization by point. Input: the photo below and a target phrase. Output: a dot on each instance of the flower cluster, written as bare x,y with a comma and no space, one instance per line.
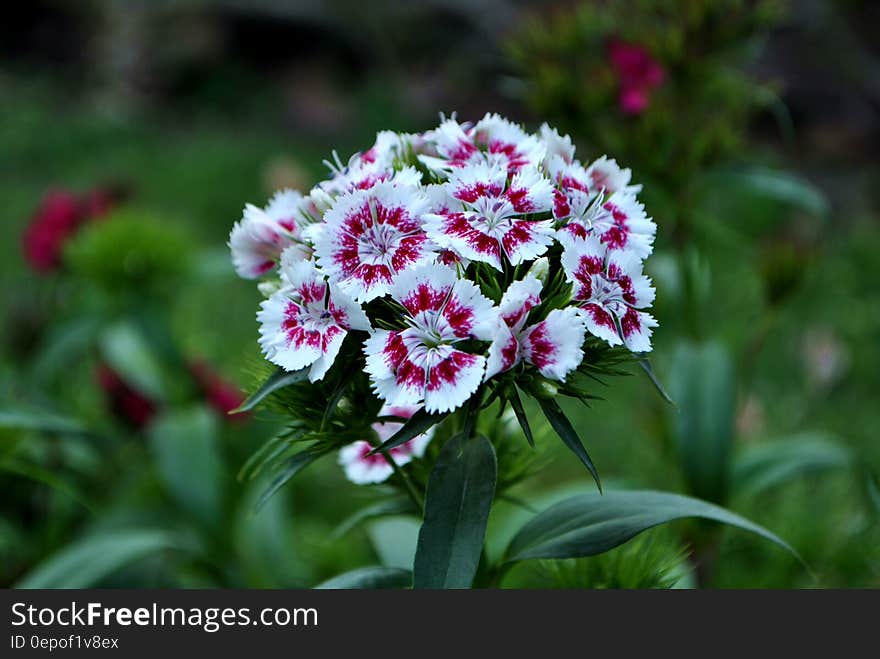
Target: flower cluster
454,258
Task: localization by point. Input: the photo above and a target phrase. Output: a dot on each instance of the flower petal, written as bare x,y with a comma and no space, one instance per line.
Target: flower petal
518,300
452,380
371,235
302,325
504,352
554,345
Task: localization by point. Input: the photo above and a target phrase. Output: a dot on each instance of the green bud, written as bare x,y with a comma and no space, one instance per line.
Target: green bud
267,288
540,270
542,388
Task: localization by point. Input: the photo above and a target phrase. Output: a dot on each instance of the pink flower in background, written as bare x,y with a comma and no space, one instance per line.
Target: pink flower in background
127,403
220,394
59,216
637,73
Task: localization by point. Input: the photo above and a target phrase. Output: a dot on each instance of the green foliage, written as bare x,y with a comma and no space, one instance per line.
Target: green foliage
702,383
590,524
184,443
460,493
130,250
697,115
89,561
645,562
369,577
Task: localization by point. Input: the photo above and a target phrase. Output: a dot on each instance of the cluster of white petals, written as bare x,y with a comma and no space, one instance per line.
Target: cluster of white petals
389,246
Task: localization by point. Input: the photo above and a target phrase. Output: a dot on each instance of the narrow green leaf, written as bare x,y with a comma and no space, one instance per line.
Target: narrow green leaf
460,491
645,365
872,491
185,445
278,380
418,423
127,351
40,420
763,466
373,578
589,524
291,467
394,506
560,423
703,384
778,186
83,564
519,411
45,477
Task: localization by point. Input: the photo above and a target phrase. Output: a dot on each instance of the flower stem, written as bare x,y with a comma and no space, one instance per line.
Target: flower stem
408,485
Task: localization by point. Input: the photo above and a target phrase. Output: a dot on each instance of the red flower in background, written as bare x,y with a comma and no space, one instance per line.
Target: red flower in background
223,396
58,217
128,404
637,73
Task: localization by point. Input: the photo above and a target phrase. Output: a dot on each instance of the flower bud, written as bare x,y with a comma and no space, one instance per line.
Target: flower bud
267,288
542,388
540,270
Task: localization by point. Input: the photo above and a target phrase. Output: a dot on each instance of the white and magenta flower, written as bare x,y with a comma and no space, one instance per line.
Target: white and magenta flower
363,468
611,291
304,323
492,140
553,345
371,235
425,363
485,217
619,221
258,240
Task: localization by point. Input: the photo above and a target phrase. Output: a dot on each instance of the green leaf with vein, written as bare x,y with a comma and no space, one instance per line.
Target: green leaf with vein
560,423
288,469
417,424
766,465
457,503
278,380
86,562
589,524
373,578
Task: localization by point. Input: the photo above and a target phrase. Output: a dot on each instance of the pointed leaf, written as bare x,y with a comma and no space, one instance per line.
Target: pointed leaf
703,384
560,423
290,468
372,578
766,465
83,564
645,365
187,453
519,411
417,424
278,380
589,524
395,506
40,420
460,491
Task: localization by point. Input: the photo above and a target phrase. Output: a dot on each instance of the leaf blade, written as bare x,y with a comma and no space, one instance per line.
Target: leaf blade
590,524
417,424
459,496
278,380
373,578
520,412
562,426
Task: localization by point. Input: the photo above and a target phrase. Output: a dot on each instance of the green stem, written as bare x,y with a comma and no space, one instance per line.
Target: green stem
408,485
472,413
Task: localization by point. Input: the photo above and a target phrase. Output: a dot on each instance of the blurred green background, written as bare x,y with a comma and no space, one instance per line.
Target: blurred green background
758,152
